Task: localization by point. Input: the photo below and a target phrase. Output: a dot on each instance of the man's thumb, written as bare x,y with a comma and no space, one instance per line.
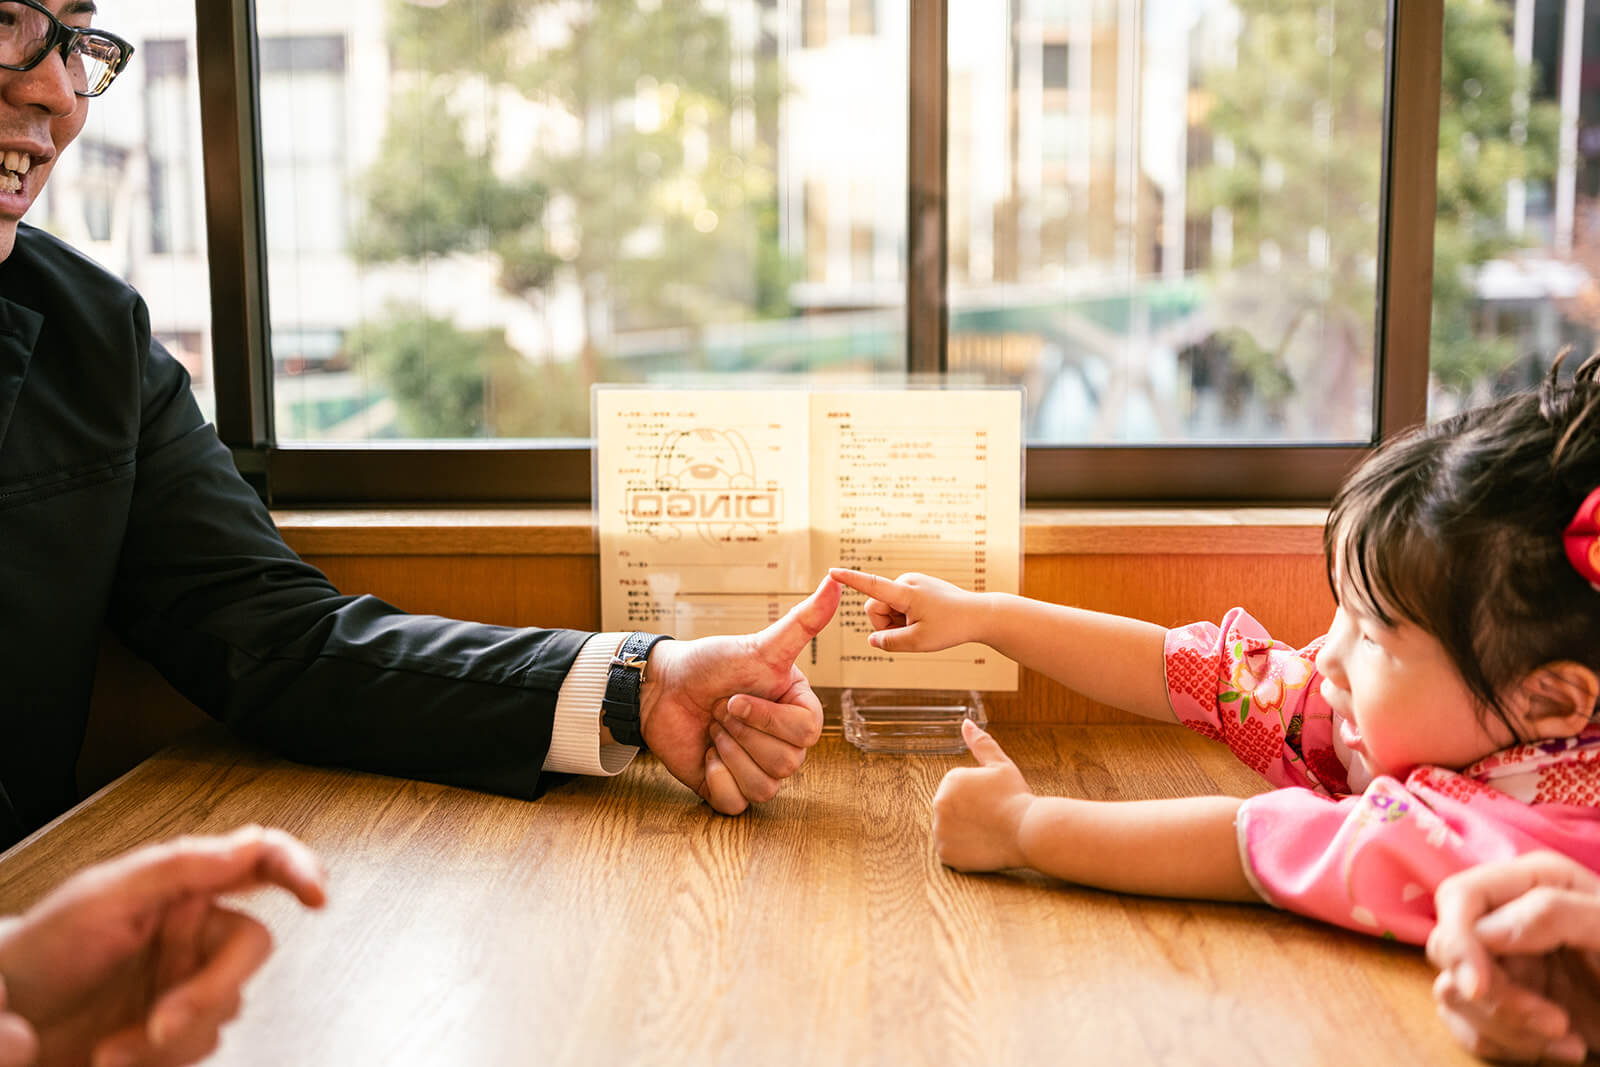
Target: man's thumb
789,636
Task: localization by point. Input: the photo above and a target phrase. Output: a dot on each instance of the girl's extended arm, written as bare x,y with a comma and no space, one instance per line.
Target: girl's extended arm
985,818
1109,658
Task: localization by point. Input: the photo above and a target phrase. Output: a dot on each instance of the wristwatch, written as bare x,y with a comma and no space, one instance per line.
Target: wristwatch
619,709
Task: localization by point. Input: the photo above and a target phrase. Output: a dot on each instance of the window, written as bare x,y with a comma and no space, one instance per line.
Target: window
1268,333
304,101
1517,247
303,141
168,99
1053,60
492,205
1197,275
129,194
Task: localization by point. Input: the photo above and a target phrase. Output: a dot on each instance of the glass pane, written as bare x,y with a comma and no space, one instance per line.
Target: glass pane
1164,215
1517,238
475,209
130,193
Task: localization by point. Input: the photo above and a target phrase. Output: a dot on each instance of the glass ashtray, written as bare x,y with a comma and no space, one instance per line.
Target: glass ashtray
909,720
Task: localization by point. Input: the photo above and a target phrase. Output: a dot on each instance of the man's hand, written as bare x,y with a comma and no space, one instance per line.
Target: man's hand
134,962
978,811
915,612
731,717
1517,945
18,1043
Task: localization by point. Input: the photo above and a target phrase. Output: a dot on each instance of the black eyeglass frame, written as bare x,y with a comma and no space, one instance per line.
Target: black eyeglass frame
64,37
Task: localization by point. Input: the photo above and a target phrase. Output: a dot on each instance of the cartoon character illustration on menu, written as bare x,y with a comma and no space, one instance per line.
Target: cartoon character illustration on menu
705,479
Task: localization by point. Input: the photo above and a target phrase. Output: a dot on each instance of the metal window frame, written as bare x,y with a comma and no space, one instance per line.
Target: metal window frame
559,472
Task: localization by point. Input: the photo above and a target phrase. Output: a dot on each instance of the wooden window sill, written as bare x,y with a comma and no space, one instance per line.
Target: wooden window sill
570,531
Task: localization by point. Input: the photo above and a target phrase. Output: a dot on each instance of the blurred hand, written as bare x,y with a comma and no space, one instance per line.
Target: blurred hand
731,717
18,1042
915,612
978,811
1517,945
133,961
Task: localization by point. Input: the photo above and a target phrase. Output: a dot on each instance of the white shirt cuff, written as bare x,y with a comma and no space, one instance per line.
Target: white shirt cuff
575,746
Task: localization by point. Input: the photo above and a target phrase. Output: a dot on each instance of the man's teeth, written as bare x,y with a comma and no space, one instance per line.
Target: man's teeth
13,165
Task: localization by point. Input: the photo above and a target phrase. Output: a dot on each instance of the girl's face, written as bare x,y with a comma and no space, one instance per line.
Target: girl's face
1398,701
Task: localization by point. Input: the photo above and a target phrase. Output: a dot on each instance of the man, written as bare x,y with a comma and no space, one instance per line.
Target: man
119,506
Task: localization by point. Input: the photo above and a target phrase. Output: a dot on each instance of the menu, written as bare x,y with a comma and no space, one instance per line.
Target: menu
719,509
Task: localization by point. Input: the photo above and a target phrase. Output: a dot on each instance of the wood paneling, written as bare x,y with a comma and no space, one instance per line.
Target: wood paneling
551,591
1168,567
1287,593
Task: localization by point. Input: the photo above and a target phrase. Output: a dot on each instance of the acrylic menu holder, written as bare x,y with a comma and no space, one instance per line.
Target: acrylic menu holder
719,509
909,720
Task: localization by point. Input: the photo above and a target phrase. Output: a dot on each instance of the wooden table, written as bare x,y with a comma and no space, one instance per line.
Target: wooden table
623,922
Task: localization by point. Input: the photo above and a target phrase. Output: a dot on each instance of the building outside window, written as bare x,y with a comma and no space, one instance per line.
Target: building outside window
129,192
474,210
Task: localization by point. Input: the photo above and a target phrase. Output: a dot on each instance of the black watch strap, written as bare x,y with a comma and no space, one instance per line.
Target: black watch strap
619,709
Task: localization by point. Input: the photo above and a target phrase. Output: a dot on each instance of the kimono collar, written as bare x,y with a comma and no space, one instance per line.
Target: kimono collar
1565,770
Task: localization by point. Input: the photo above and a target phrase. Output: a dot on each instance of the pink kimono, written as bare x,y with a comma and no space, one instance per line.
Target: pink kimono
1369,862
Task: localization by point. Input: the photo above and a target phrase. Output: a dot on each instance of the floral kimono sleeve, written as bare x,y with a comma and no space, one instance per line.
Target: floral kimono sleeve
1233,683
1372,862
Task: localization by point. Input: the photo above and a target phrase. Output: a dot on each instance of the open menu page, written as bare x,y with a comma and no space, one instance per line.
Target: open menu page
718,510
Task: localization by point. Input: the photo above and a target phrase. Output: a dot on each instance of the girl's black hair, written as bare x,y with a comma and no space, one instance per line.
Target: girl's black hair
1457,528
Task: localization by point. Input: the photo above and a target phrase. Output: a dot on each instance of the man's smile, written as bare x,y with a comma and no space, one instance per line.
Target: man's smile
13,166
17,159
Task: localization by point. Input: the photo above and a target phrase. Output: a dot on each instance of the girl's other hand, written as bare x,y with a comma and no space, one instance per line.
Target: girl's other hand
978,811
915,612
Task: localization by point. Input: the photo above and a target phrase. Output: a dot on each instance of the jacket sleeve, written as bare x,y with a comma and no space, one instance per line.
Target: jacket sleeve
207,590
1233,683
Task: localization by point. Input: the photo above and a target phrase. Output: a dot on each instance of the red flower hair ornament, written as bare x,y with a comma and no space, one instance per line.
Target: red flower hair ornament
1582,539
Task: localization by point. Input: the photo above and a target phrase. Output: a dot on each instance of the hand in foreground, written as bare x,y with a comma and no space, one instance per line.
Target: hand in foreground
133,961
978,811
731,717
1517,945
915,612
18,1043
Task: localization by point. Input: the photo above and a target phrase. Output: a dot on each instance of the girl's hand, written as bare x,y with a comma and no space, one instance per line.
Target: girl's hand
978,811
915,612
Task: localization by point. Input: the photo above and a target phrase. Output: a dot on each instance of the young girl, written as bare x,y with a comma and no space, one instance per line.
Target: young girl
1448,717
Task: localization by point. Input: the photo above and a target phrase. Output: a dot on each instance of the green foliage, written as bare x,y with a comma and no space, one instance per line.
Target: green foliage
448,37
649,192
431,194
1304,65
438,375
1301,109
1483,144
447,382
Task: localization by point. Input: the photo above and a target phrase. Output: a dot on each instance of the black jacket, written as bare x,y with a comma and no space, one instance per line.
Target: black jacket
119,506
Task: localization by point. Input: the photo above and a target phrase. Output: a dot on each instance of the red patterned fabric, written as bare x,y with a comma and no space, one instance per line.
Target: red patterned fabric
1235,684
1368,862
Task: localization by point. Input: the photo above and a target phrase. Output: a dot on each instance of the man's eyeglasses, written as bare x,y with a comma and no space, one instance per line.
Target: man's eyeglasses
29,33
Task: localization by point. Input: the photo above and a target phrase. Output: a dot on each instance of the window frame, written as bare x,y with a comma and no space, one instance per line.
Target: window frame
558,471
